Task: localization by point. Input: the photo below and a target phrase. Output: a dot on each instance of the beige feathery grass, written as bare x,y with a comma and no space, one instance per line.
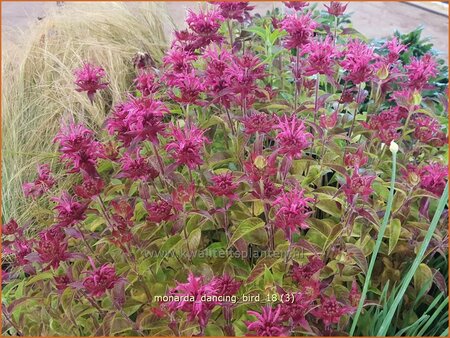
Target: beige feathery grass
38,89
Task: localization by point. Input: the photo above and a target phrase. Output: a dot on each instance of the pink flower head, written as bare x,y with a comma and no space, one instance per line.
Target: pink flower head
158,211
358,185
357,159
62,282
146,83
21,249
223,185
258,167
358,62
178,61
90,187
52,248
42,184
182,195
266,190
428,130
234,10
336,8
226,285
296,310
136,167
123,212
204,23
433,177
301,273
186,147
395,48
100,280
296,5
192,292
216,83
292,210
241,76
300,29
386,124
206,26
420,71
355,295
144,119
328,121
258,123
69,210
331,311
268,323
79,149
321,57
188,87
292,138
310,288
10,228
89,79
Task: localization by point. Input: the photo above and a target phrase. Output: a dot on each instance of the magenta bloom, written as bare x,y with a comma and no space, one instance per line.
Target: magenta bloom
428,130
301,273
321,57
62,282
358,185
52,248
420,71
146,84
226,285
69,210
433,177
89,80
336,8
42,184
158,211
90,187
100,280
268,192
328,121
136,167
224,185
21,249
186,147
241,76
234,10
205,24
395,48
79,149
258,167
296,5
268,323
216,83
386,124
10,228
331,311
292,138
258,123
358,62
300,30
178,61
356,160
189,87
292,210
122,220
297,310
192,302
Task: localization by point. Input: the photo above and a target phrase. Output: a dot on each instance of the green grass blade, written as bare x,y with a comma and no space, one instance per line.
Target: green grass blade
377,244
405,282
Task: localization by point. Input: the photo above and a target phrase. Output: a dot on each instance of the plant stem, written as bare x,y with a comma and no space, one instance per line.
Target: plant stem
355,113
316,99
233,131
18,331
377,244
230,32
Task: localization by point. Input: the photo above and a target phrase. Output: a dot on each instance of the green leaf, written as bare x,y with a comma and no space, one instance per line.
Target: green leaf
245,228
358,256
394,233
40,276
423,277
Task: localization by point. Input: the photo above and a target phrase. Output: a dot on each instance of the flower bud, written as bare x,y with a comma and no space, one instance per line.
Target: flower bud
393,147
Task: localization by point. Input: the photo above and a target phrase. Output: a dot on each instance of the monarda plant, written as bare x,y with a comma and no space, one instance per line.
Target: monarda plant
241,187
